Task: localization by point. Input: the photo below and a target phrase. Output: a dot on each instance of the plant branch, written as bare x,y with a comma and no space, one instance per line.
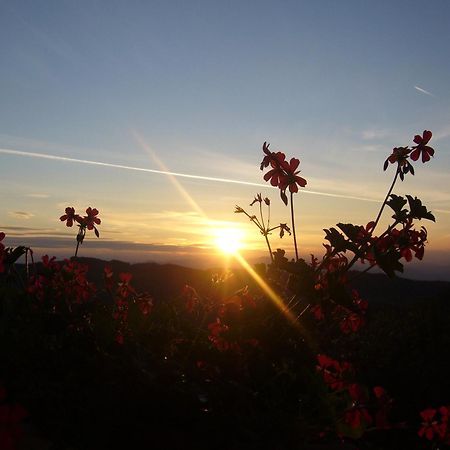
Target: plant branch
293,226
386,199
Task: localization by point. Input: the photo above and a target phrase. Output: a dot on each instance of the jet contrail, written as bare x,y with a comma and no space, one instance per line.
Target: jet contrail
417,88
175,174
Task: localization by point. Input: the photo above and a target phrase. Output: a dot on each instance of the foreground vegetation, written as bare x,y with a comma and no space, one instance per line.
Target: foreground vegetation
295,359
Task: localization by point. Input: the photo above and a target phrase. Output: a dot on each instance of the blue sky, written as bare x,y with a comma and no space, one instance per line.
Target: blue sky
199,86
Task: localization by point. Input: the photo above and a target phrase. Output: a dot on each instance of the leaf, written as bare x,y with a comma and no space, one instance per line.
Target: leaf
417,210
350,230
389,262
96,232
397,202
284,197
336,239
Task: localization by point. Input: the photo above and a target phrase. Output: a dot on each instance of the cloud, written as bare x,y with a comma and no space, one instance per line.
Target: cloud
20,215
173,174
38,195
423,91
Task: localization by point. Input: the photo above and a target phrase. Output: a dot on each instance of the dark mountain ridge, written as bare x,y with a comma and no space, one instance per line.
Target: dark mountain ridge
167,280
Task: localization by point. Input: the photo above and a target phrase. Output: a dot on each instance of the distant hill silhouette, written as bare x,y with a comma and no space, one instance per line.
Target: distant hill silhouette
167,280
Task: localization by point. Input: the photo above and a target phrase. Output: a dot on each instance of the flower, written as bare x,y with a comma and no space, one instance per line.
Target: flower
400,155
357,415
271,158
334,372
277,172
70,216
428,425
290,178
90,220
422,147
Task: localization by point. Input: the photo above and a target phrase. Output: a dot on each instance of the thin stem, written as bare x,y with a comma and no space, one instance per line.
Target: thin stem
386,199
80,238
261,214
269,247
293,226
76,250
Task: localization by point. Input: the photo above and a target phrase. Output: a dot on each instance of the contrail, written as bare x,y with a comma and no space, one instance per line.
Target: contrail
174,174
417,88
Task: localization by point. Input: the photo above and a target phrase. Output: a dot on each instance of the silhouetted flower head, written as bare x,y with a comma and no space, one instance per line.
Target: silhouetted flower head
400,156
290,178
69,217
91,219
422,147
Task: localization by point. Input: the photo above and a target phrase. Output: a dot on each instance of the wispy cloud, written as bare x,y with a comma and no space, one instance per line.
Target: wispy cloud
38,195
169,173
21,214
423,91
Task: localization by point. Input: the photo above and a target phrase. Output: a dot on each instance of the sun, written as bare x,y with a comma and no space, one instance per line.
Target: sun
228,240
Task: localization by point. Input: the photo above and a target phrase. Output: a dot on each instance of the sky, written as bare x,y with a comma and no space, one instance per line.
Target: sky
195,88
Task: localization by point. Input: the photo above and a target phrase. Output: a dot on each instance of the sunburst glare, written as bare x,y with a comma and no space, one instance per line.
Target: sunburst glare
228,240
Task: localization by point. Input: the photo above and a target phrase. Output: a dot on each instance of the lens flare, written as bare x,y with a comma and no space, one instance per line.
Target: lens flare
228,240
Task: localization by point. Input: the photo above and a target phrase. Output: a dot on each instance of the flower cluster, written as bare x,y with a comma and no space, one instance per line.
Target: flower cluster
64,284
359,406
87,222
282,174
401,155
124,296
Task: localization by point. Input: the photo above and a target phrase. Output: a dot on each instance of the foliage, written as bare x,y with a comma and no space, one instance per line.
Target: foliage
272,367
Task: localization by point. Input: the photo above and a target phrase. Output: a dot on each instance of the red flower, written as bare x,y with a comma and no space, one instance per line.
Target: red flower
276,173
291,179
400,155
271,158
422,147
124,288
334,372
430,425
358,414
70,216
91,220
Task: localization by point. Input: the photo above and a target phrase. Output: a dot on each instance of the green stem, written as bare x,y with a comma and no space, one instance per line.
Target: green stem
293,226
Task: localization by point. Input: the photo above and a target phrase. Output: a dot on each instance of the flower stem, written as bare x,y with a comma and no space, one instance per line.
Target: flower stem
76,250
269,247
386,199
293,226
